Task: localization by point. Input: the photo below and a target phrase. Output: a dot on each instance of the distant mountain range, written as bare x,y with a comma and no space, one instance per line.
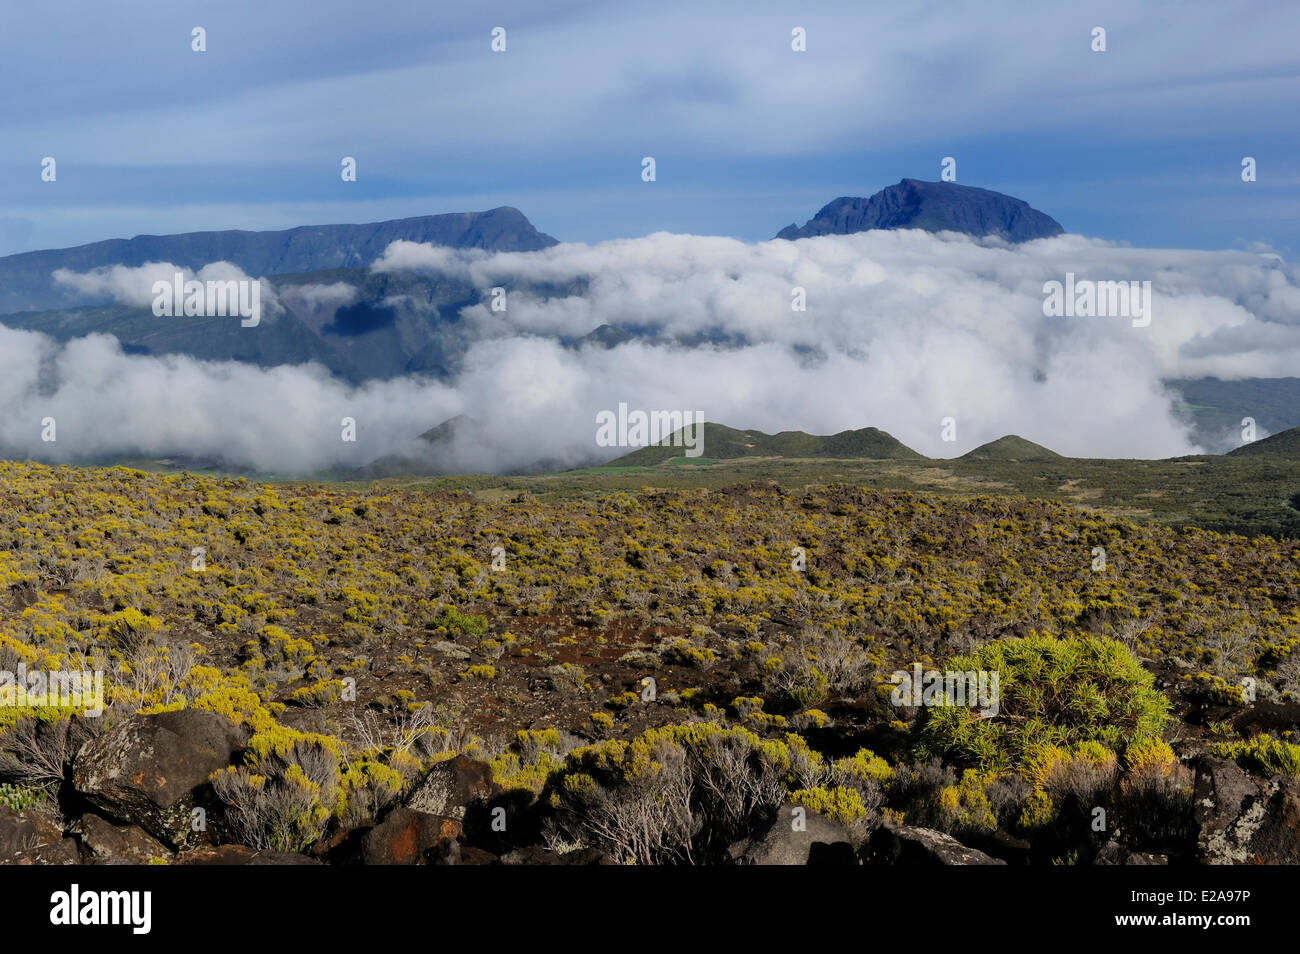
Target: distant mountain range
726,443
1216,408
384,325
26,282
934,207
869,443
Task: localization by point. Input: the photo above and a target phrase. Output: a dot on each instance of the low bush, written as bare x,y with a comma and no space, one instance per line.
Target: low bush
1051,692
680,793
1264,754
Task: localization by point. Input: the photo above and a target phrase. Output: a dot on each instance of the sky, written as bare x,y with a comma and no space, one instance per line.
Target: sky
1139,144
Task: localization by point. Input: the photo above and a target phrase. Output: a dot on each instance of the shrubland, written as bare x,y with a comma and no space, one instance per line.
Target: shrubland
652,672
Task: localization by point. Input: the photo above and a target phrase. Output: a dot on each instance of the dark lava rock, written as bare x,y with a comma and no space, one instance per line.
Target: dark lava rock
905,845
1113,853
450,787
451,851
536,855
104,843
404,836
1242,819
818,841
22,834
152,770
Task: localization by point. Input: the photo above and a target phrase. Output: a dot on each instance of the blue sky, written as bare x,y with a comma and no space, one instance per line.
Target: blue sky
1142,143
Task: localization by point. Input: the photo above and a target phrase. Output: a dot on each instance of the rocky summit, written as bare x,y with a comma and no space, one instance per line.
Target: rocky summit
934,207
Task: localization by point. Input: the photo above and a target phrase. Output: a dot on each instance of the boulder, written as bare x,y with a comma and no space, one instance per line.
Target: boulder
1242,819
341,846
905,845
798,836
1000,844
16,834
61,852
1277,842
404,836
152,770
450,787
104,843
22,834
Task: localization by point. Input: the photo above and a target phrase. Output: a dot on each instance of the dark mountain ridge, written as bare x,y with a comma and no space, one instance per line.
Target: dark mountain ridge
934,207
26,282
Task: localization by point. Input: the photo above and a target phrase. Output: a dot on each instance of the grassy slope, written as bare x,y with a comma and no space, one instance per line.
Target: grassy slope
1244,495
1011,447
1281,447
726,443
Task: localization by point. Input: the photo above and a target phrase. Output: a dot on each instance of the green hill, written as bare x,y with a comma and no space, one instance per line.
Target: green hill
1284,445
1011,447
1215,408
726,443
866,443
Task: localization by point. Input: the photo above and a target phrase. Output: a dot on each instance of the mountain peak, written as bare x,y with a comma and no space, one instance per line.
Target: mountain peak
932,206
1011,447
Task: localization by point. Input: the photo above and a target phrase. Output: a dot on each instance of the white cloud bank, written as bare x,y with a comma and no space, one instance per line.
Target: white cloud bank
902,329
134,284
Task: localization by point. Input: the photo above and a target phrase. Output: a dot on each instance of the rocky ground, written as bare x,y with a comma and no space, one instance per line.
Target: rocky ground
139,793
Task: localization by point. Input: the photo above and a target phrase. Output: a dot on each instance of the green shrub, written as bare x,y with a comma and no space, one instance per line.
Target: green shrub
843,805
1051,692
1155,796
22,797
457,623
1263,754
319,694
